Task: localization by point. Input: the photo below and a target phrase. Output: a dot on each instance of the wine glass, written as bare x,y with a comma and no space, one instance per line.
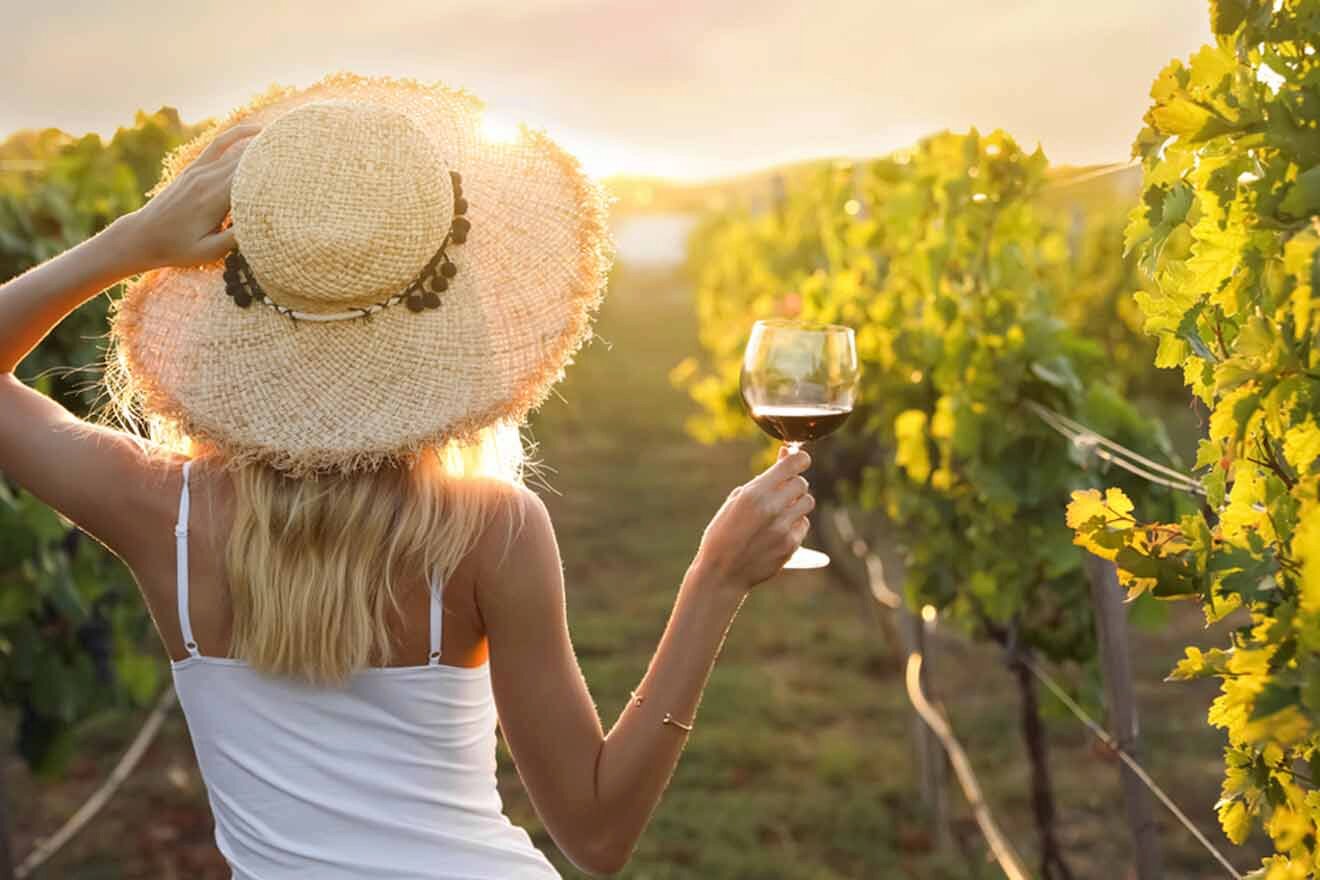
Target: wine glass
798,382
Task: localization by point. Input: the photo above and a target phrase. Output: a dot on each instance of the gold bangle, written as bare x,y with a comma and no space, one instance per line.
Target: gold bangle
669,719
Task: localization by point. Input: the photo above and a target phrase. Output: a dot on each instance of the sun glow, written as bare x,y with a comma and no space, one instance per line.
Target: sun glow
497,129
600,157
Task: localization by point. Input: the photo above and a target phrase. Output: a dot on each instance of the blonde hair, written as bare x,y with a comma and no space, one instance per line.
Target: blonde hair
313,564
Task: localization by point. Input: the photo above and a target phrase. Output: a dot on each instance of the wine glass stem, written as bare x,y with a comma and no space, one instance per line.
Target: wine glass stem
803,557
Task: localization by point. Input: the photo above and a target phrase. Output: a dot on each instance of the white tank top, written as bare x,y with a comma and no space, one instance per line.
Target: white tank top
391,777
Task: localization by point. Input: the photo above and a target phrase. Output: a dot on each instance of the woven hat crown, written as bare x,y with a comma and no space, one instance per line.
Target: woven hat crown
340,203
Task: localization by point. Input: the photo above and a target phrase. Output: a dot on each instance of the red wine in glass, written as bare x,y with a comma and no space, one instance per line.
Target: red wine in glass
799,423
798,381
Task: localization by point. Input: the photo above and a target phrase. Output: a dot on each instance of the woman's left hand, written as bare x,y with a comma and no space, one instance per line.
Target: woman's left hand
180,226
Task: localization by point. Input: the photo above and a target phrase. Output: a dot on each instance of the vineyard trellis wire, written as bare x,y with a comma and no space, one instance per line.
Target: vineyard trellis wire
1107,450
1105,737
1000,847
146,735
878,594
1095,174
957,755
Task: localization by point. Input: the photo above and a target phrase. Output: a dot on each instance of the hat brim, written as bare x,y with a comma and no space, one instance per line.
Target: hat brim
342,396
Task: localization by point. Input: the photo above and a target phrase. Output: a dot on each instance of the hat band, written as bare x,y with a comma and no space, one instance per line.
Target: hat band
423,292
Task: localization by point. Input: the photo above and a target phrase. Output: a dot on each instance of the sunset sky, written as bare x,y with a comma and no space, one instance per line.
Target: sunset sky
683,88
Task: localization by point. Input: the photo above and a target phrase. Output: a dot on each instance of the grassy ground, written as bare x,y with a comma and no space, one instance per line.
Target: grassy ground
801,764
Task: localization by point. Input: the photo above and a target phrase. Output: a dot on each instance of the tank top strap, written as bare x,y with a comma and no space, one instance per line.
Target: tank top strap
181,555
437,627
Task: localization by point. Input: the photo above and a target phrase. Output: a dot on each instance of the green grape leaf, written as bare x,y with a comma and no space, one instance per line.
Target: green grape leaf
1227,16
1303,198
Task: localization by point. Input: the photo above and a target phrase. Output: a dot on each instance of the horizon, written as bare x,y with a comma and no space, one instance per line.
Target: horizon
752,170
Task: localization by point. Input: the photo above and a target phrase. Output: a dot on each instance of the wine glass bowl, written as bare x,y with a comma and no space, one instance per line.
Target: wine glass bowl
798,381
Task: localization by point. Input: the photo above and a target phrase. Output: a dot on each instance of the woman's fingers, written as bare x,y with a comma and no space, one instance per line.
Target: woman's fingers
773,498
800,507
760,523
791,537
787,492
216,245
223,141
788,466
219,184
221,172
214,191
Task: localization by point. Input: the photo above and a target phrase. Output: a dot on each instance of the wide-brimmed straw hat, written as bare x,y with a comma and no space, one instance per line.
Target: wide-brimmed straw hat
400,281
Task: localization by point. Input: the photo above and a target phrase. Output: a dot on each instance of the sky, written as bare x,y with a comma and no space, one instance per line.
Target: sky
689,89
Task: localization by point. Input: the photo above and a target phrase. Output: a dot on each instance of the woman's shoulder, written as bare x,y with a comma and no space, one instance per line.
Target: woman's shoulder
518,545
518,515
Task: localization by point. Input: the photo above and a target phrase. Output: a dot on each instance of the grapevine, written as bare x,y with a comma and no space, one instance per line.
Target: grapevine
1227,230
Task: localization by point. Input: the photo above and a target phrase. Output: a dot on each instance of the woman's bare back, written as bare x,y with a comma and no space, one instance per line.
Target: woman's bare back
464,639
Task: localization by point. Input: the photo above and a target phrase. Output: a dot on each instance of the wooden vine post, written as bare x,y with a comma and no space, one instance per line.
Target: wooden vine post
6,854
1111,633
932,762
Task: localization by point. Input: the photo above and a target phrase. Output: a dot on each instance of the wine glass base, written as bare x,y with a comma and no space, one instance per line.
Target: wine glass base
804,557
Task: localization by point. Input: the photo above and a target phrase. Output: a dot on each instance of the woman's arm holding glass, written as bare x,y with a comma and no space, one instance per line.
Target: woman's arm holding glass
596,792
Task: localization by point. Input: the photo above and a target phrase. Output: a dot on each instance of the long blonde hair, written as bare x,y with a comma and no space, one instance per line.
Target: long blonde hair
313,564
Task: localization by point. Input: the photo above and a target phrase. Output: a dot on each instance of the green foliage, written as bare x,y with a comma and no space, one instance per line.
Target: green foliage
1099,304
953,274
1227,229
72,628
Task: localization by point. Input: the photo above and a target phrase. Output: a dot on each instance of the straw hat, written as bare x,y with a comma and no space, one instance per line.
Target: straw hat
399,282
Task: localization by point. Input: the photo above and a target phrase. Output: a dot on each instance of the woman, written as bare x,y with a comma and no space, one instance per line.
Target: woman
347,303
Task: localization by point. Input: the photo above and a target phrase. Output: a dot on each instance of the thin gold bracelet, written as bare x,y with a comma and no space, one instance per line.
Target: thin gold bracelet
668,719
674,721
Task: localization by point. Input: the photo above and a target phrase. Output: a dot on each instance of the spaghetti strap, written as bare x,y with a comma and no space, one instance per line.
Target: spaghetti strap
437,589
181,576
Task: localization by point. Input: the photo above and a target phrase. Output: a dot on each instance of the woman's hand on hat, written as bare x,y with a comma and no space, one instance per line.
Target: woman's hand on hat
181,225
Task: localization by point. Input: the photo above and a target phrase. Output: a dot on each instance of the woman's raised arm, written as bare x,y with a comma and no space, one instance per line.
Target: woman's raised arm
89,473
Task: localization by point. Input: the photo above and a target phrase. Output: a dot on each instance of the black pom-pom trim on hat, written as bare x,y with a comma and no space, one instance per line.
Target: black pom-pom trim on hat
240,283
458,230
422,293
